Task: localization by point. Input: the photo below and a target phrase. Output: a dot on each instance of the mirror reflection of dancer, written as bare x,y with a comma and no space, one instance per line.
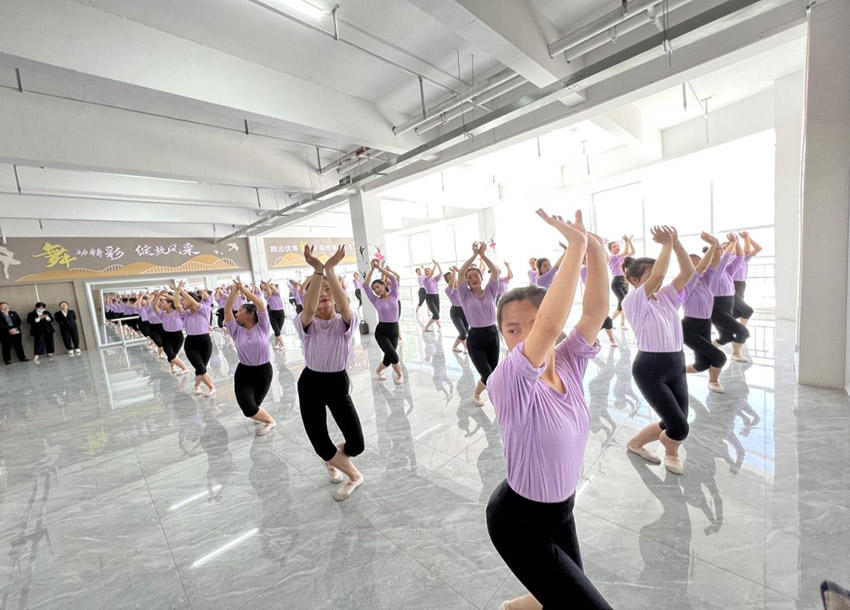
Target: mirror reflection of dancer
383,294
250,330
420,277
619,285
533,274
659,367
479,306
326,338
539,399
155,327
696,325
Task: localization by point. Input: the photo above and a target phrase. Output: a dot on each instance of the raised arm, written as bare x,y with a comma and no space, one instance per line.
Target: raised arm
311,298
455,272
255,299
178,305
739,250
190,301
493,267
663,236
155,302
560,260
466,266
436,268
231,300
510,274
751,247
686,265
630,247
714,245
594,305
387,271
556,305
342,304
373,264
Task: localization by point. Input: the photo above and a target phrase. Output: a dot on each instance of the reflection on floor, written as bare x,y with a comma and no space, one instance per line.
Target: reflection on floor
121,489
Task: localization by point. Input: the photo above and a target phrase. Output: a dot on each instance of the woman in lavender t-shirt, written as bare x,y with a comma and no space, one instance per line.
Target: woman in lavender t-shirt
383,294
250,329
326,338
539,399
659,367
619,285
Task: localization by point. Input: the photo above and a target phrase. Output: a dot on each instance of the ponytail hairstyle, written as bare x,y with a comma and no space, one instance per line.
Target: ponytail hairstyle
634,268
252,309
446,276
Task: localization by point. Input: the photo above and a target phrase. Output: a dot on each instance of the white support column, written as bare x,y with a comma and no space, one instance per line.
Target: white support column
256,249
788,125
368,227
825,226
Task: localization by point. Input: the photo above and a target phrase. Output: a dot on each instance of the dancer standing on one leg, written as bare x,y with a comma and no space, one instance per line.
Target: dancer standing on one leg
607,324
383,294
198,345
250,329
432,295
170,311
479,306
741,309
723,288
358,289
456,311
696,325
619,285
277,317
420,277
326,338
539,399
659,367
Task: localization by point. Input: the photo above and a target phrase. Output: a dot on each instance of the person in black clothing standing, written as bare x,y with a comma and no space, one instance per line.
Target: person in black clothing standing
41,329
67,319
10,334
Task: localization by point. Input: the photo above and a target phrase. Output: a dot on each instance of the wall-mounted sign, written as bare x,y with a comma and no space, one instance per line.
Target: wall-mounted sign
282,252
61,259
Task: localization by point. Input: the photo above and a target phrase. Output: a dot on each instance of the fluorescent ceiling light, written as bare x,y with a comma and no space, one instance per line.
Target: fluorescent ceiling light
299,6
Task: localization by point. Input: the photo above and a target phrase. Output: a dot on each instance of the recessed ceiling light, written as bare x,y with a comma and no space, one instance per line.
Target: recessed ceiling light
300,6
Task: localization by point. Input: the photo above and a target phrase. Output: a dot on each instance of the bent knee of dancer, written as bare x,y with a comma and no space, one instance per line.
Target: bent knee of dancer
354,447
249,409
677,429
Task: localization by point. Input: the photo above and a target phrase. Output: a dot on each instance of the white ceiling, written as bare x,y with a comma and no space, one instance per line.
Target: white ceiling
165,90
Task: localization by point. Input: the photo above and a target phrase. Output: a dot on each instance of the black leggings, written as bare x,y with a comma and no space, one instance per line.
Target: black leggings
276,318
433,301
219,317
741,308
661,378
538,541
172,341
156,331
422,295
251,384
199,351
697,333
145,328
359,296
608,324
298,308
620,287
459,320
319,390
483,346
386,334
70,337
728,328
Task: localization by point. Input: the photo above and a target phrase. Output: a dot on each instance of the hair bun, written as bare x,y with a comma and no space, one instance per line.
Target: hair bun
627,262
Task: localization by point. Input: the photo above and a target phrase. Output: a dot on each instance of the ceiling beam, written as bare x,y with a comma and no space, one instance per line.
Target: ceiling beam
40,130
512,31
72,38
81,209
627,125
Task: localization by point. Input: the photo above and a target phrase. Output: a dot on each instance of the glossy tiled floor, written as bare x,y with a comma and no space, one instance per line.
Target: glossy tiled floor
120,489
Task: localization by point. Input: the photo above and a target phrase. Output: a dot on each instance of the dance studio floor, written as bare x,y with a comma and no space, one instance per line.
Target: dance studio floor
120,489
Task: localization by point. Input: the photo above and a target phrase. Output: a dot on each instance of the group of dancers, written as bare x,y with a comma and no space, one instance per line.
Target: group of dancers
536,389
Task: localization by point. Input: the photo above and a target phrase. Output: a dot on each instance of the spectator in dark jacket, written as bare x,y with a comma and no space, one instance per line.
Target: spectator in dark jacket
41,329
10,334
67,319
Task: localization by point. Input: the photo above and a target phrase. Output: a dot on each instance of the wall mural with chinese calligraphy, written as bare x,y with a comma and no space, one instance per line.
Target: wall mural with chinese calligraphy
282,252
62,259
